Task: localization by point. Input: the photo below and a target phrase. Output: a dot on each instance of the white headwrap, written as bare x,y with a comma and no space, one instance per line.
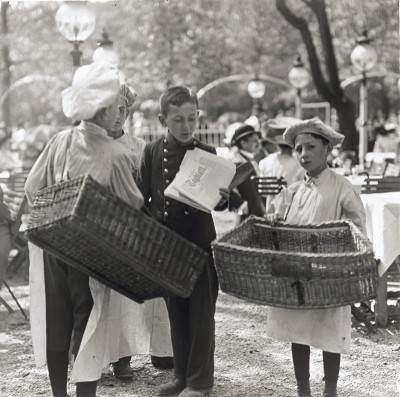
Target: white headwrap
94,86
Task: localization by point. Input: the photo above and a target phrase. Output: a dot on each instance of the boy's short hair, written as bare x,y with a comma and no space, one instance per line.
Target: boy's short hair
177,96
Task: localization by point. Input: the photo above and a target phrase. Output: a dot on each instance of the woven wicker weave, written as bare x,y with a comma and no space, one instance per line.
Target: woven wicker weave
293,266
88,227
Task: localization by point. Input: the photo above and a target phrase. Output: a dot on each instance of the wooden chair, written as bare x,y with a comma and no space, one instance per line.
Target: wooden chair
269,185
391,169
18,243
16,181
381,184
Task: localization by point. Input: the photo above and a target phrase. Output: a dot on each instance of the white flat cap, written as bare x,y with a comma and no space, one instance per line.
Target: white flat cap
312,126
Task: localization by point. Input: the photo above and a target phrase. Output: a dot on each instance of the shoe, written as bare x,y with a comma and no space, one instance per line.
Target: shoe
330,389
303,388
122,368
192,392
162,362
171,389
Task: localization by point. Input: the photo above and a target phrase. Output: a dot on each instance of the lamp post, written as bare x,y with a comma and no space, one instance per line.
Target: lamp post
363,58
105,50
256,90
298,78
76,22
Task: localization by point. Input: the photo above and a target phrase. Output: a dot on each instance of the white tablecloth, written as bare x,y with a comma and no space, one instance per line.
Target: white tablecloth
383,226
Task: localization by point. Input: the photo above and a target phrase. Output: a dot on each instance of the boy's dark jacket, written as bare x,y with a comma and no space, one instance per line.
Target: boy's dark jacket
159,164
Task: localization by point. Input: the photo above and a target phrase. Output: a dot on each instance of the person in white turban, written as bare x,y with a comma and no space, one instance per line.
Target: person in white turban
69,310
149,321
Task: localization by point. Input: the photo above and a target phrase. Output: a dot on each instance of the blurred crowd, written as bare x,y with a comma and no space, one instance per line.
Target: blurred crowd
21,146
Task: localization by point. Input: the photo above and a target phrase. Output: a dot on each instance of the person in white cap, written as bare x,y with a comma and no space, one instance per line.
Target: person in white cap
149,323
127,98
321,196
280,164
66,303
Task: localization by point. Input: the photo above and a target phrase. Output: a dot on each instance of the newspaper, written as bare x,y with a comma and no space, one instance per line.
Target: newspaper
199,179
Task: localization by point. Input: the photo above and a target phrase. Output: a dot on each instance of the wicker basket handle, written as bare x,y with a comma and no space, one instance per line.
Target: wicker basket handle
299,291
275,240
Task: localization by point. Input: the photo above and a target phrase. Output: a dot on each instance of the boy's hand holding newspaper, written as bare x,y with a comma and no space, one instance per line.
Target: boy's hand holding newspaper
224,196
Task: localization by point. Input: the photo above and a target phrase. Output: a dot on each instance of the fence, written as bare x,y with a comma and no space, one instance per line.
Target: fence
212,136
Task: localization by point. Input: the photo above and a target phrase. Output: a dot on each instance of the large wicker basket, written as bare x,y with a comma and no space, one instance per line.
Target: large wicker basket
88,227
293,266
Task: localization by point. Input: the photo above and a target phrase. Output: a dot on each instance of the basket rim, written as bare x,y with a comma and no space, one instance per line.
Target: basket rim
283,225
310,255
86,179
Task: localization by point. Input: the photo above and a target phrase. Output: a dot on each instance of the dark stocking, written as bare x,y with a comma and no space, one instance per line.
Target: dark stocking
331,366
86,389
57,364
301,361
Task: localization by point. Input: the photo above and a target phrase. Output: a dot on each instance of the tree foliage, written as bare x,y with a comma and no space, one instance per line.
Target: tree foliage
162,42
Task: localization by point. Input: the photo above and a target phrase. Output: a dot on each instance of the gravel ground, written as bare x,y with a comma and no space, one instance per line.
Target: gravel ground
247,363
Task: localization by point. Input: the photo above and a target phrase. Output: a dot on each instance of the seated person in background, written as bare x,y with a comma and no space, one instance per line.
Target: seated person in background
247,141
386,138
266,146
5,237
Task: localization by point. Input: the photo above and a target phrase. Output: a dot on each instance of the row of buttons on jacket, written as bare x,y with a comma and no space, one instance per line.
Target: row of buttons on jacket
167,181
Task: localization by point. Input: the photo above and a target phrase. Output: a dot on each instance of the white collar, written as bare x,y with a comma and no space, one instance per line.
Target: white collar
247,154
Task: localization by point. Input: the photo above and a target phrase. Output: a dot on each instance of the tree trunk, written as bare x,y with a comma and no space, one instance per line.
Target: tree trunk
328,84
5,52
346,115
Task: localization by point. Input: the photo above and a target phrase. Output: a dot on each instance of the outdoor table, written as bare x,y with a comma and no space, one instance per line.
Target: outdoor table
383,229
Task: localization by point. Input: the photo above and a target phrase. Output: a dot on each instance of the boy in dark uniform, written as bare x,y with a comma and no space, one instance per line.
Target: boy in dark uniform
192,319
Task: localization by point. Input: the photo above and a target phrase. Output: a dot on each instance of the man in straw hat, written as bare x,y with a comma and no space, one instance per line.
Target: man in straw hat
149,324
247,141
321,196
64,301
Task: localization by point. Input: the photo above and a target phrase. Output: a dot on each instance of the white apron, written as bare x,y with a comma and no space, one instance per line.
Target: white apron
123,327
323,198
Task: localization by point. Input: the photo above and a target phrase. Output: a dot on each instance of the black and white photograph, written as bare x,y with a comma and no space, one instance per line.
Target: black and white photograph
200,198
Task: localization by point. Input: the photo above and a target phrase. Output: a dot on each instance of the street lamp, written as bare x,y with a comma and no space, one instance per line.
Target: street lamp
298,78
256,90
76,22
363,58
105,50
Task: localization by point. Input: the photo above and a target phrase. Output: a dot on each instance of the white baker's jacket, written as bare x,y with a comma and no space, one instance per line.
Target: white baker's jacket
117,326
